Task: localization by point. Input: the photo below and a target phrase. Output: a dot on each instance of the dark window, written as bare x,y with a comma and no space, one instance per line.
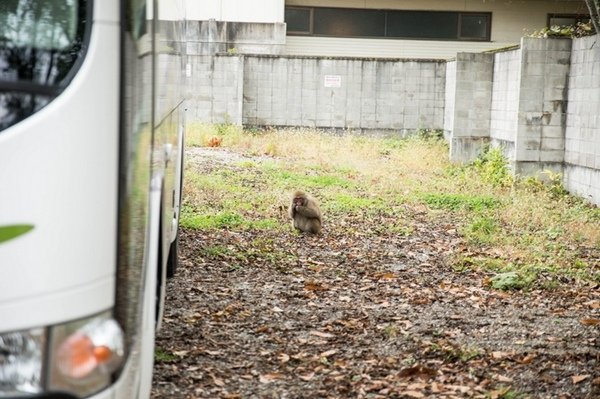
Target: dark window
422,24
474,26
298,19
351,22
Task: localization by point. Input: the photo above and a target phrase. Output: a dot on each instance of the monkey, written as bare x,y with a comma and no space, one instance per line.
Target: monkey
305,213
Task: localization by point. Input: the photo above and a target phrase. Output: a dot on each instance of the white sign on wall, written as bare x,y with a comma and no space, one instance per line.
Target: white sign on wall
333,81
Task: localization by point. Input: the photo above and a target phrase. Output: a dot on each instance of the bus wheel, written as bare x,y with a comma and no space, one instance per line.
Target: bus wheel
172,261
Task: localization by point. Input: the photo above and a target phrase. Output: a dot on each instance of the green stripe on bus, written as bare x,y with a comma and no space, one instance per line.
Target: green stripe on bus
14,231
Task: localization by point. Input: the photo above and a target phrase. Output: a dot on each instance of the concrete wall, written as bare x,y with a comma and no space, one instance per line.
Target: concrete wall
472,98
544,110
582,141
449,97
211,37
354,94
505,100
216,89
540,138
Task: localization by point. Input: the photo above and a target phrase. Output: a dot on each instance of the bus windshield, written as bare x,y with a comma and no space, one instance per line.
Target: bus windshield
40,44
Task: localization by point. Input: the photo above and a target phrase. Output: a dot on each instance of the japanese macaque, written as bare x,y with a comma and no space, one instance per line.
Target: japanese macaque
305,213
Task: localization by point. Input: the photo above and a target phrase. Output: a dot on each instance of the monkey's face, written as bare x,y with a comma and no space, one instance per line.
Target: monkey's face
298,201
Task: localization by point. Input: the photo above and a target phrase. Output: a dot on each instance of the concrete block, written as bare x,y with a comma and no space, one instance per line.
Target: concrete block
523,154
532,70
553,144
553,132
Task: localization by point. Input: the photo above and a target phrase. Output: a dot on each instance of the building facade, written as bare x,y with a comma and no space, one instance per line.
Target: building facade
417,29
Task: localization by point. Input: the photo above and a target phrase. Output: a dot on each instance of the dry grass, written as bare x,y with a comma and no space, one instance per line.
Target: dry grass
520,225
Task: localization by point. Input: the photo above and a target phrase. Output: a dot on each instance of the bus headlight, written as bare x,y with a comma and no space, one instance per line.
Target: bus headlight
21,359
79,357
85,354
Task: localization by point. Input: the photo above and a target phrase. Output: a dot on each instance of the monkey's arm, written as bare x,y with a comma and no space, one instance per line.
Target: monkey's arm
308,212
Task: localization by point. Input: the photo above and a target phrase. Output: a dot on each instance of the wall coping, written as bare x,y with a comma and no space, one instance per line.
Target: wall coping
318,57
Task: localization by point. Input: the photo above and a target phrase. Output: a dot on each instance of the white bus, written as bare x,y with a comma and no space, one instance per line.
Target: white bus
91,149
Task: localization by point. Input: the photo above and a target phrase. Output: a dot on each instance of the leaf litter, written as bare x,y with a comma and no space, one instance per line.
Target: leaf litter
365,315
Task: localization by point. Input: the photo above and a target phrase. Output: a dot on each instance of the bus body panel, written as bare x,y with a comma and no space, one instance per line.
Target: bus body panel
97,171
59,173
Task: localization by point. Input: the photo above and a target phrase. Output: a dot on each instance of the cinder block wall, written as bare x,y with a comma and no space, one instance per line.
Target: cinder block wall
544,110
355,94
540,139
505,101
449,97
582,141
215,88
472,98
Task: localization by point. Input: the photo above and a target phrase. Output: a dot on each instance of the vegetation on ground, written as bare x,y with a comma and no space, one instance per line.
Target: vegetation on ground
529,231
428,280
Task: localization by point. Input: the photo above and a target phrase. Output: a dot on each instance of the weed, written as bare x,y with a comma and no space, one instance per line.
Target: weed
481,229
512,281
492,167
390,331
455,202
162,356
342,202
215,251
204,222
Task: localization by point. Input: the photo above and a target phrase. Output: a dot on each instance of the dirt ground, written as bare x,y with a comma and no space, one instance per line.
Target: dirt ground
364,314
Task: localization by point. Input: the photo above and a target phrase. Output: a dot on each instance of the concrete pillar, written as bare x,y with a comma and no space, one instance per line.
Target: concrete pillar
470,117
540,138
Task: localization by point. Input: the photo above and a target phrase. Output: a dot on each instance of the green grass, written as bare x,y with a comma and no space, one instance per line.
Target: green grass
161,355
528,226
456,202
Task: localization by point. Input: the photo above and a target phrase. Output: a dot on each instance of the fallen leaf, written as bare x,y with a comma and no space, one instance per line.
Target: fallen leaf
181,353
593,304
420,371
218,381
283,358
307,377
314,286
328,353
596,381
321,334
277,309
502,378
499,393
270,377
413,394
527,359
262,329
590,322
578,378
215,141
500,355
212,353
